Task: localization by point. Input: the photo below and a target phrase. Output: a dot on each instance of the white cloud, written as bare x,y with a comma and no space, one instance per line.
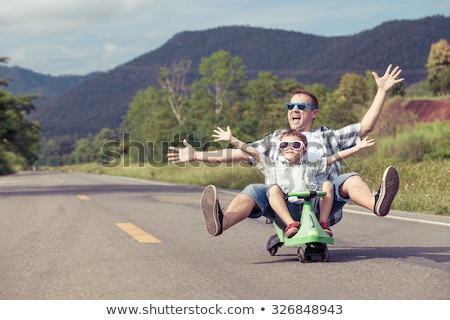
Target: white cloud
82,36
111,50
54,16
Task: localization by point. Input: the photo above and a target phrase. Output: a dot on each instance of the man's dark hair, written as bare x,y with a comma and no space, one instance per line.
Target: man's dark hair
309,94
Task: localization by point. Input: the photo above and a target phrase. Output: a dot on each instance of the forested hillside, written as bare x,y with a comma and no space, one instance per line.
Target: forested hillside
102,101
23,81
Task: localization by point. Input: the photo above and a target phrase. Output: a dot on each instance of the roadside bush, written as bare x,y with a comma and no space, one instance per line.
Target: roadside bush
10,163
424,141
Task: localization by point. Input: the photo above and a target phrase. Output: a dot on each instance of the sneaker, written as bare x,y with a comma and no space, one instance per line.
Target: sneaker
387,192
212,213
326,228
291,229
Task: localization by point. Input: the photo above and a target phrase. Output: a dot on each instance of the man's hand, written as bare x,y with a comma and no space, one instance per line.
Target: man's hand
181,154
389,79
385,83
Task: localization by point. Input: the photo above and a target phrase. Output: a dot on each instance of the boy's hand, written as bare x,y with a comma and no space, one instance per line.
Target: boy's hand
221,135
364,143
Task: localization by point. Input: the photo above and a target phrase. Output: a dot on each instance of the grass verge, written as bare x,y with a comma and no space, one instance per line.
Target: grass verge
424,185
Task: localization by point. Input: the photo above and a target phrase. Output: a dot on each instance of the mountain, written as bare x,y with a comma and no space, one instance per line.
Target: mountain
23,82
102,100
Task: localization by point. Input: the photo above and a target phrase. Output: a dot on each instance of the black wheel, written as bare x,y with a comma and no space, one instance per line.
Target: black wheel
273,251
324,254
309,252
273,244
301,255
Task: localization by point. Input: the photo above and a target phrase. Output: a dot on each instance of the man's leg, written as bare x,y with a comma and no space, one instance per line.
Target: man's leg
239,208
356,189
253,196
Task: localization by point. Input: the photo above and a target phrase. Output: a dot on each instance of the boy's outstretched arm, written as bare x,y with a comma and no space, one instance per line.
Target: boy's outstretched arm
361,144
227,136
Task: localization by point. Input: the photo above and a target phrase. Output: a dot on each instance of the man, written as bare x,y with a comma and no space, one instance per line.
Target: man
303,108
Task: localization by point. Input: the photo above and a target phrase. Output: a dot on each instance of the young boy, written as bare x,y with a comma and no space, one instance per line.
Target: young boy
293,173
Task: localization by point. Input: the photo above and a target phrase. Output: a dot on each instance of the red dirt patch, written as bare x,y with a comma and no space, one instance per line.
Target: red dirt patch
430,110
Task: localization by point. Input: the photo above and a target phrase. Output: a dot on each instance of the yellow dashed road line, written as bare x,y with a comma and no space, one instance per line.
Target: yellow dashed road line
137,233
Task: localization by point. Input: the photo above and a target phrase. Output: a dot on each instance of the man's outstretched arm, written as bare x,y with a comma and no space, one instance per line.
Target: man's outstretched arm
189,154
384,83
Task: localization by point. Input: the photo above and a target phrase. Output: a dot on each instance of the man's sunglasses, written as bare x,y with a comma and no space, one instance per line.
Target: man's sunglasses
299,105
296,145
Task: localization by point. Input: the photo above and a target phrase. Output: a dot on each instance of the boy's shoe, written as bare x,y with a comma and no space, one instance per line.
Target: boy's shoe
291,229
212,213
386,192
326,228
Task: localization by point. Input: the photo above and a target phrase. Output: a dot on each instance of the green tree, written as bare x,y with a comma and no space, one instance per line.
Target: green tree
222,78
173,80
84,151
148,126
106,144
18,136
261,107
346,103
49,154
3,82
201,118
438,66
56,151
214,98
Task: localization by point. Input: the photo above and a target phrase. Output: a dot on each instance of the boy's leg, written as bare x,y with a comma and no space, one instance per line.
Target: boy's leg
277,202
326,202
325,206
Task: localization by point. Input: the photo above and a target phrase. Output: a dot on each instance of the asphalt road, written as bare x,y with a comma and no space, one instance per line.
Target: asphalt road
81,236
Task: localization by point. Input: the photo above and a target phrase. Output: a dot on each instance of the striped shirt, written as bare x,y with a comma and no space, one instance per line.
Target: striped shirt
291,178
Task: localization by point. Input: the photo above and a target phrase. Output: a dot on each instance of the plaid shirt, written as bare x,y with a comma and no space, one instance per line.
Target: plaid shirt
322,142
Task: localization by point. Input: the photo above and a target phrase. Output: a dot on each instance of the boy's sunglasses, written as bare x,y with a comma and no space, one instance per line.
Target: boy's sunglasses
296,145
299,105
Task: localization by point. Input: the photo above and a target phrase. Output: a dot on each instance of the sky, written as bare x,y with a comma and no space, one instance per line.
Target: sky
76,37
